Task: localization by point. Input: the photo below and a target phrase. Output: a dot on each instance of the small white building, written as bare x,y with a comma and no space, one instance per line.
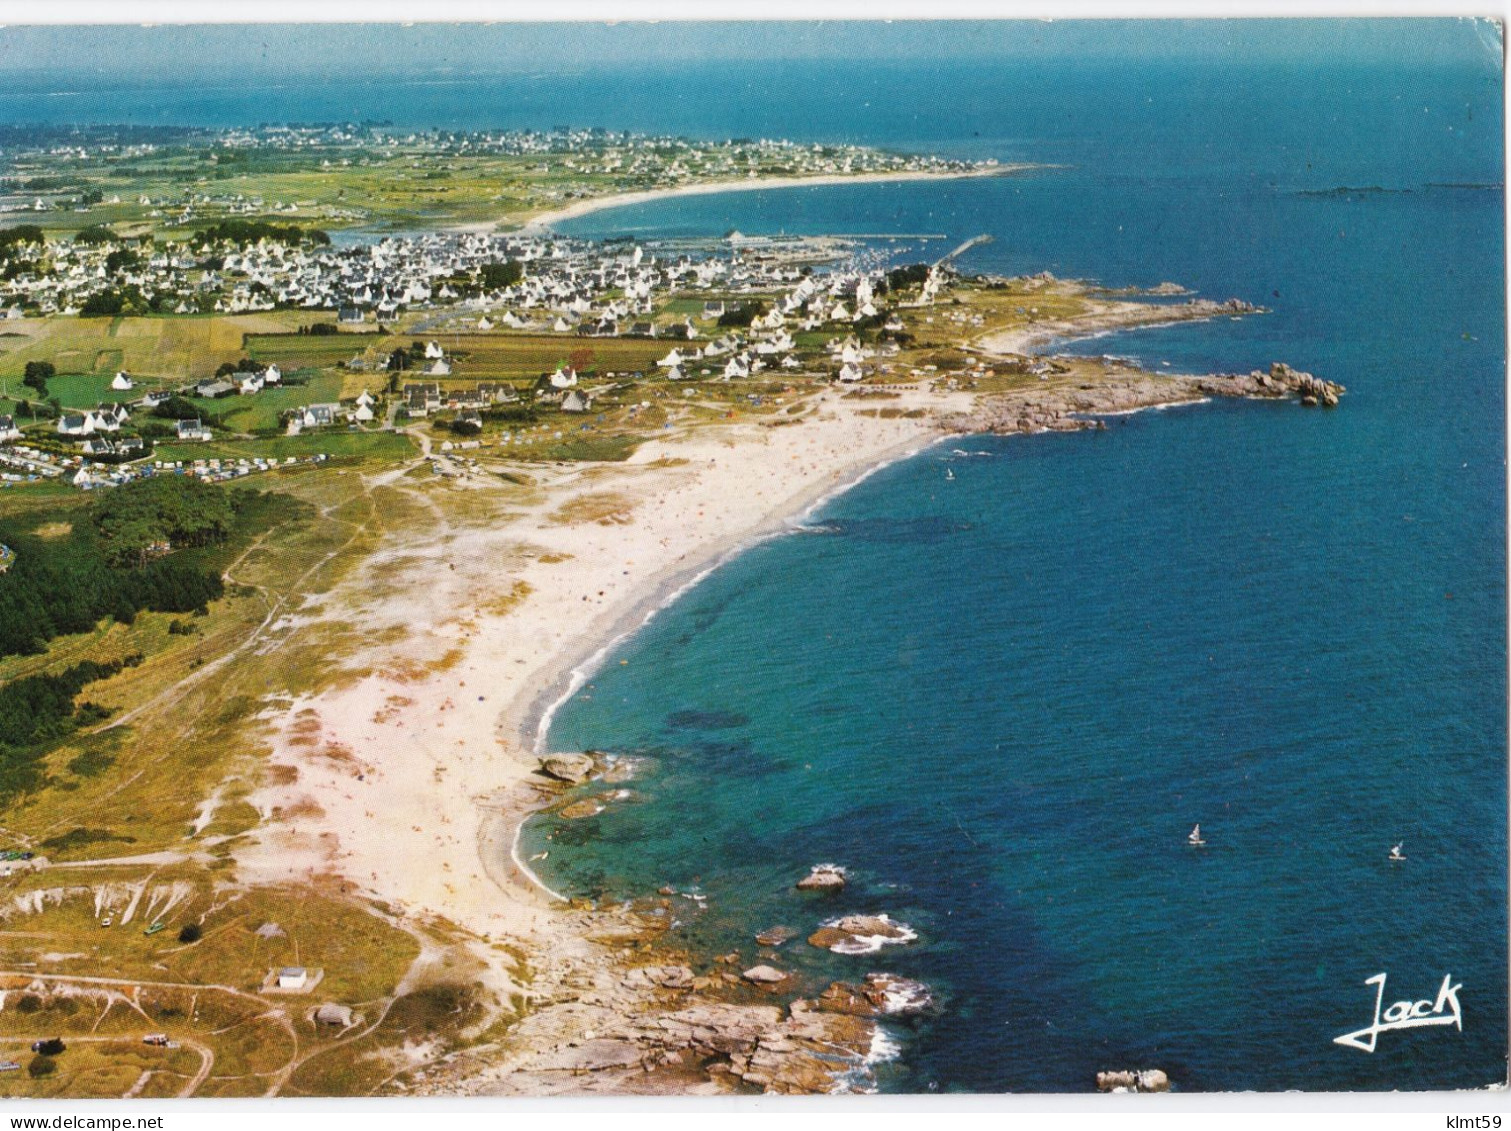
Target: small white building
292,977
122,382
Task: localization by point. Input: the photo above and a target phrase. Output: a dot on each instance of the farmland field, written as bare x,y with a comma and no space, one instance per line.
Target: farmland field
490,356
261,410
374,445
160,350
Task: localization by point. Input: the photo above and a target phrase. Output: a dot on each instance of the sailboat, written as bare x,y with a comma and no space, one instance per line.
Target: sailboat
949,474
1195,840
1396,853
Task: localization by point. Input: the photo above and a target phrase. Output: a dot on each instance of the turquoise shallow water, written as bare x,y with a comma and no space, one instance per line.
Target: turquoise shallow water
1002,700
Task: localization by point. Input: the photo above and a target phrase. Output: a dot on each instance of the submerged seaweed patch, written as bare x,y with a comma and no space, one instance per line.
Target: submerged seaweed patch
706,720
897,531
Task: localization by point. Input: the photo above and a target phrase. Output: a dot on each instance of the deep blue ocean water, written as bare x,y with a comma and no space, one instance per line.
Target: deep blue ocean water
1003,700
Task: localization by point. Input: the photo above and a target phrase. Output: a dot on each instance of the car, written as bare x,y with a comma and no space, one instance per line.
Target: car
9,1065
158,1039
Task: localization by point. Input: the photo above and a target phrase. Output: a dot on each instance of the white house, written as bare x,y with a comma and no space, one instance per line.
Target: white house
432,350
272,375
564,378
292,977
439,368
251,383
192,430
8,429
122,382
850,373
671,360
365,399
76,424
576,402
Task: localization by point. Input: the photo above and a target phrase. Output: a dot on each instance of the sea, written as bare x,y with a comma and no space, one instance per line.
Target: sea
999,681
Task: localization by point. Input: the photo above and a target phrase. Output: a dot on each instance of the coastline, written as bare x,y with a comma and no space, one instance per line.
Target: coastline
534,225
523,580
530,717
576,667
446,774
1108,318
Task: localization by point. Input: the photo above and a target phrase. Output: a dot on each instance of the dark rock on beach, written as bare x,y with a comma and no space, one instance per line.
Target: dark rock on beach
574,769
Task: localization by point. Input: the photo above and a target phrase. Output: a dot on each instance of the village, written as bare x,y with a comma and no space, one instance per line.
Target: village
371,177
471,333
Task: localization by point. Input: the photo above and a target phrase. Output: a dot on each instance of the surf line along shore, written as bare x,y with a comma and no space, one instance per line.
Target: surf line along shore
495,600
534,225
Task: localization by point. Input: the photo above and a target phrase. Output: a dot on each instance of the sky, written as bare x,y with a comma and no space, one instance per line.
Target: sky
290,50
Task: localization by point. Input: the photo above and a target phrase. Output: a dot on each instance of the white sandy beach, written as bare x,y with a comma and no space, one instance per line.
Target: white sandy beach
544,221
444,749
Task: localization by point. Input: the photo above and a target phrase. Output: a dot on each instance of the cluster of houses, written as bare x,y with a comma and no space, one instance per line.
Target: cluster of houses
567,286
244,384
425,398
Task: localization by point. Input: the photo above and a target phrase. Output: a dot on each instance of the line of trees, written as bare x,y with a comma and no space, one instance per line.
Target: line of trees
113,561
148,518
243,233
38,711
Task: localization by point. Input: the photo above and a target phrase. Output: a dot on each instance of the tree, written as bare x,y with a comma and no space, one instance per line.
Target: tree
103,303
41,1066
13,238
245,232
53,1046
95,234
496,276
178,408
743,315
121,257
37,375
191,933
146,518
913,275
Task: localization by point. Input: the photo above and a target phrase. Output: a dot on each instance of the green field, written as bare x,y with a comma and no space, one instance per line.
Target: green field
261,410
307,350
367,445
